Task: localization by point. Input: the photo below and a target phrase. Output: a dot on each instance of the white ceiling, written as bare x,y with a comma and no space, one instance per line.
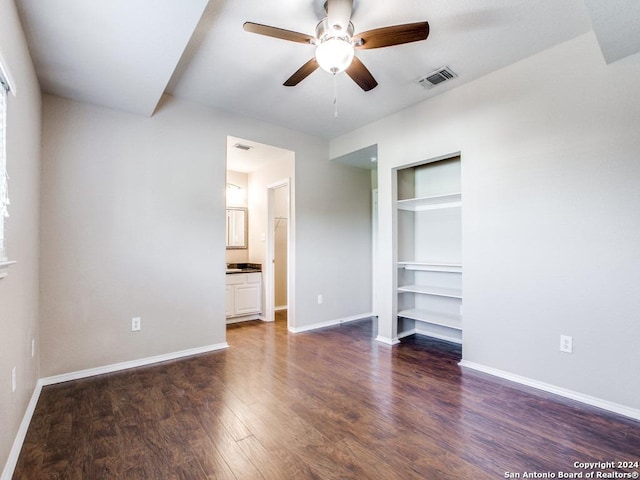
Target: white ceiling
125,55
617,26
115,53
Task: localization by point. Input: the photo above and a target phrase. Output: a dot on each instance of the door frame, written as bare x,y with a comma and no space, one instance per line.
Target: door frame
374,252
269,311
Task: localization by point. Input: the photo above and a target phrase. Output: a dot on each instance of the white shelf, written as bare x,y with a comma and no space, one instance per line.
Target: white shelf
431,290
450,200
431,266
429,261
443,319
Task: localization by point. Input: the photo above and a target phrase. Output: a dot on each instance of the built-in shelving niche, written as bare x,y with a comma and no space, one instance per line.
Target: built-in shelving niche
429,265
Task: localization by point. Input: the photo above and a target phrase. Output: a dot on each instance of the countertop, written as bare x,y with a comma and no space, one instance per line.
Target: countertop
233,268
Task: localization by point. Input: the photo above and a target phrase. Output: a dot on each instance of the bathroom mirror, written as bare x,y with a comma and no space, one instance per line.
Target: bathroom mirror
237,227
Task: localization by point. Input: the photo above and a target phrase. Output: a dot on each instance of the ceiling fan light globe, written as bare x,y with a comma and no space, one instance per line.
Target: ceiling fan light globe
334,55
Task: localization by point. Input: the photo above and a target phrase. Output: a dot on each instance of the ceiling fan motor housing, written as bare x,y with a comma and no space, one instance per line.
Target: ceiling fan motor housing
324,31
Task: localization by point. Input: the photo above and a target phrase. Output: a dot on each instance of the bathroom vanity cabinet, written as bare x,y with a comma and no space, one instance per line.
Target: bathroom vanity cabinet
243,296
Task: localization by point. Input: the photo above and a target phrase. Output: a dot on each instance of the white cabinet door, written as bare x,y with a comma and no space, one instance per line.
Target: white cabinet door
247,298
244,294
230,303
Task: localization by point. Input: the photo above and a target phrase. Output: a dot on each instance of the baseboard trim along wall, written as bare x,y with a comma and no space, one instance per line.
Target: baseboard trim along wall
563,392
415,331
329,323
90,372
10,465
387,340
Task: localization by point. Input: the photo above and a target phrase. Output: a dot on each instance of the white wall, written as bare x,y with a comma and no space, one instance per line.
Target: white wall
133,225
129,212
19,290
333,222
551,229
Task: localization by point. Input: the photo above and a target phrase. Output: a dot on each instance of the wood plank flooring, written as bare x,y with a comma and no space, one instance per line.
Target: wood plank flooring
330,404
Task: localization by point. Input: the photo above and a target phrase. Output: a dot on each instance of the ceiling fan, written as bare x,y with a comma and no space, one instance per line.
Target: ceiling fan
336,43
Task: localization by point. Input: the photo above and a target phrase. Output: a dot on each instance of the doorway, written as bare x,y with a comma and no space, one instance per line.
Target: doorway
278,242
268,181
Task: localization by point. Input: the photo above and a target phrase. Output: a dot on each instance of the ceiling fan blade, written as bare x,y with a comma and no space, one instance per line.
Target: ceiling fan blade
394,35
339,13
303,72
361,75
278,33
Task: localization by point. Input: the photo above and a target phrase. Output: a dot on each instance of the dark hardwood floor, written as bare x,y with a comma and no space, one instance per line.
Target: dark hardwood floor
330,404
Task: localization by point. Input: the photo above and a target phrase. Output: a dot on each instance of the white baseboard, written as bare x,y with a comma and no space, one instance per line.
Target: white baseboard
329,323
14,453
563,392
387,340
244,318
281,307
439,336
10,465
406,333
116,367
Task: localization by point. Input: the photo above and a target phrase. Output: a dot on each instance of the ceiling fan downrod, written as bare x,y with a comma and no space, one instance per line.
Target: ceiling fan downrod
339,14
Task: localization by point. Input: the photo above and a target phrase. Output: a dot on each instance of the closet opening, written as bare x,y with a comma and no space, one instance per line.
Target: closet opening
429,249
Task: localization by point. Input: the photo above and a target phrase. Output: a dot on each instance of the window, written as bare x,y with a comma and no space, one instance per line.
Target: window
4,191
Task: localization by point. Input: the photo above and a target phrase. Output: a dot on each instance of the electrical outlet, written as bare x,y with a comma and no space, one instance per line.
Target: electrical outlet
13,380
135,324
320,299
566,344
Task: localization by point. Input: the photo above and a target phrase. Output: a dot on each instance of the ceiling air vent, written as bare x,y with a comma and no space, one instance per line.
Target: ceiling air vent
241,146
437,77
